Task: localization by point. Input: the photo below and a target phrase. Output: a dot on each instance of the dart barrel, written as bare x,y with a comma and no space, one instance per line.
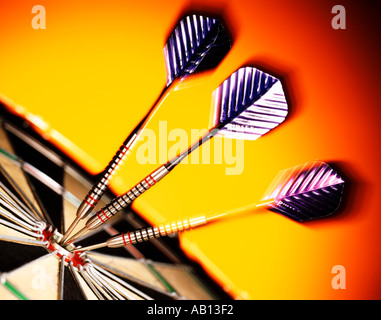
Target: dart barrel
100,187
123,201
162,230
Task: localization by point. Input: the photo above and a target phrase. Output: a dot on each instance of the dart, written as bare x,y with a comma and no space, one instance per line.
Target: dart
305,192
197,43
246,105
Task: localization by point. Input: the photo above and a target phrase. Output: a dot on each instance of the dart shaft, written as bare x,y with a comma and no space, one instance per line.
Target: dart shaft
206,137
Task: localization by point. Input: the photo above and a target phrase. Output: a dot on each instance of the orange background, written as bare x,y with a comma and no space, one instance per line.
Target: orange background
92,74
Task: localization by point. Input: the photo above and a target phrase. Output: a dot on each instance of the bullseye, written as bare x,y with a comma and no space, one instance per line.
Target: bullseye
53,238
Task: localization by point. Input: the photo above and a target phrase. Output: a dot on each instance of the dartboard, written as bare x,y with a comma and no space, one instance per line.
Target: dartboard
39,192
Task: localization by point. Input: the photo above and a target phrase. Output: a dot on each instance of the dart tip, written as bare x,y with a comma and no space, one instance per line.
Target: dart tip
92,247
82,212
79,234
70,230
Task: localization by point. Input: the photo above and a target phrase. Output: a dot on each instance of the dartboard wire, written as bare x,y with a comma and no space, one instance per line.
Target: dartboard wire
40,213
16,161
18,217
11,225
20,221
105,284
101,286
52,156
11,287
75,273
138,255
170,295
61,278
120,286
22,240
49,154
16,221
46,180
9,202
9,197
122,283
90,283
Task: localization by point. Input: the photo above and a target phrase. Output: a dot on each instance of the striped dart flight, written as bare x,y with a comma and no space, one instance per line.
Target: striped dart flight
196,44
306,192
246,105
309,191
